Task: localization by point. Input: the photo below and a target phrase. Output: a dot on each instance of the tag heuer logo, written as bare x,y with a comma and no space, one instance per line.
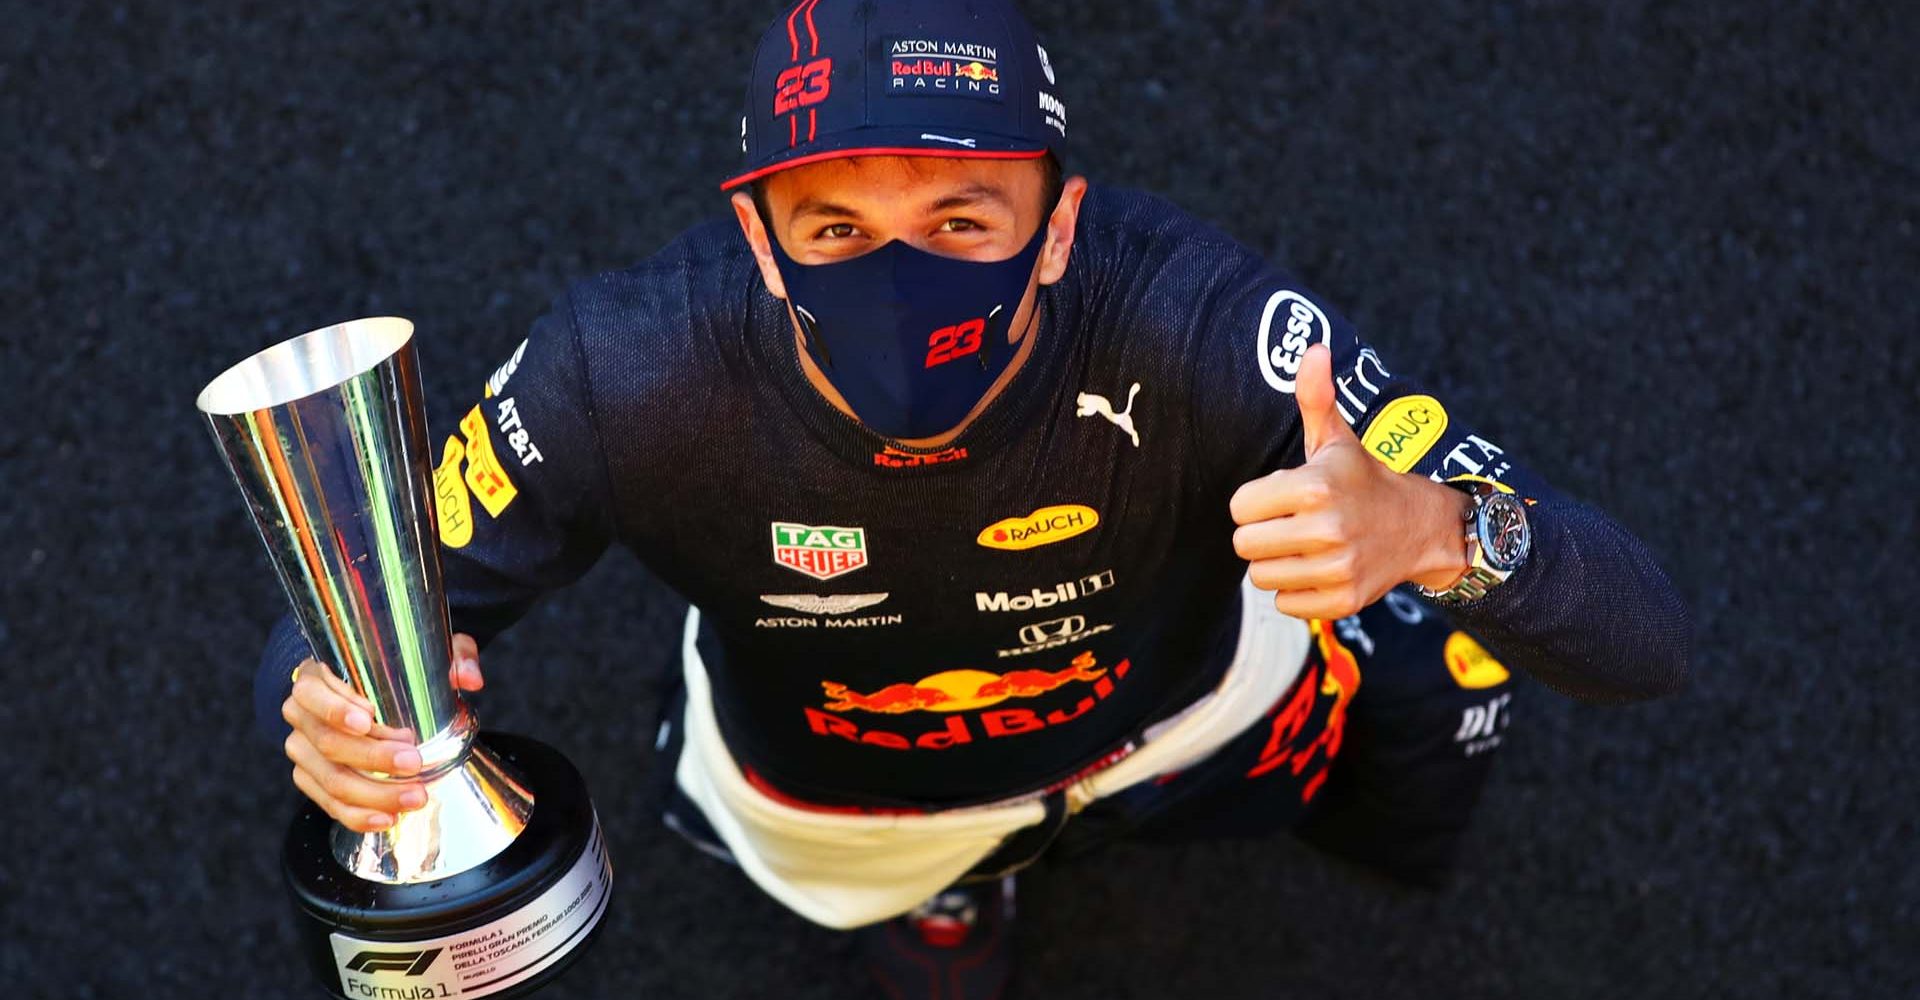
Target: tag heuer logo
822,552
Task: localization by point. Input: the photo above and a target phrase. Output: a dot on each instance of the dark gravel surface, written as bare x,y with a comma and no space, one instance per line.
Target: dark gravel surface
1665,250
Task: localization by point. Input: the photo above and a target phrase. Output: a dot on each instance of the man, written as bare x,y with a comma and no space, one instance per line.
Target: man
968,472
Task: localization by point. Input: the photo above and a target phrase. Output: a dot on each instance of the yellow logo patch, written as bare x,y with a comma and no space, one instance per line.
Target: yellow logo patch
451,504
1496,484
1042,527
485,477
1406,429
1470,663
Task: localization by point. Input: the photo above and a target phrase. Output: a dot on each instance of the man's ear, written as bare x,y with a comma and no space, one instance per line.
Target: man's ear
757,237
1060,229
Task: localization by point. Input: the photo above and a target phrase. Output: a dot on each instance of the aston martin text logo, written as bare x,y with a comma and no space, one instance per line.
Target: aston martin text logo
1042,527
964,701
822,552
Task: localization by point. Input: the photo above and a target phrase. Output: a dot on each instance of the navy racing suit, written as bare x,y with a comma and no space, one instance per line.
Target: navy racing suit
931,628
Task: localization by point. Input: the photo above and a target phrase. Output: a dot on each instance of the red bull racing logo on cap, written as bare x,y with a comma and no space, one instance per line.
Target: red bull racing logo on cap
958,695
942,68
822,552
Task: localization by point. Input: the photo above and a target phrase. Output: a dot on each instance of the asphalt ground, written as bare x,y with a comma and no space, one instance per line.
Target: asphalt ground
1666,251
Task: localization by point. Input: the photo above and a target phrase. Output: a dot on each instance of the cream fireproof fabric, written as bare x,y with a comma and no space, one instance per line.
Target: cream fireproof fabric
844,871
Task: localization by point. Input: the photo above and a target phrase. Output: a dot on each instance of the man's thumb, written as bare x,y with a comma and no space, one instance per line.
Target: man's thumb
1320,422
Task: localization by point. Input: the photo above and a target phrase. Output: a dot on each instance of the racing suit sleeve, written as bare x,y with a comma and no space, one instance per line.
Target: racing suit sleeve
521,497
1590,613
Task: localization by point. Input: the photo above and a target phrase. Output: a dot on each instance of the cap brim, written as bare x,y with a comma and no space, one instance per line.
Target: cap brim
895,142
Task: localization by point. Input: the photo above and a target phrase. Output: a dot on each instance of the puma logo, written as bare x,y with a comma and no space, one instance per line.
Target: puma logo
1087,404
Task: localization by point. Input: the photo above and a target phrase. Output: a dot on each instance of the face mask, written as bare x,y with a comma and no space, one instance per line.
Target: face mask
911,340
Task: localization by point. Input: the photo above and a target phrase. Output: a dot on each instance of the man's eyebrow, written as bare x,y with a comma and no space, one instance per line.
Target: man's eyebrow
810,205
970,195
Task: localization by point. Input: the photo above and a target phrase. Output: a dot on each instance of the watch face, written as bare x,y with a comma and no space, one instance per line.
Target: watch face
1504,534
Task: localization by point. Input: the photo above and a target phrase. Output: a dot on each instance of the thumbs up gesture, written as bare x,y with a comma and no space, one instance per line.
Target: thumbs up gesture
1336,533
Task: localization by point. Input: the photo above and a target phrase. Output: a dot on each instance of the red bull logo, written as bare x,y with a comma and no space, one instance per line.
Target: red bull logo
892,699
958,694
977,71
890,457
959,690
1335,676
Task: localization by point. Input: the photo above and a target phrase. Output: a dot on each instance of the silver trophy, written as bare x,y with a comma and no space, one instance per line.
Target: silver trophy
499,880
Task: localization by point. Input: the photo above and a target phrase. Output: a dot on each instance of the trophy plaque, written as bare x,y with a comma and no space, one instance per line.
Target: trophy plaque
502,878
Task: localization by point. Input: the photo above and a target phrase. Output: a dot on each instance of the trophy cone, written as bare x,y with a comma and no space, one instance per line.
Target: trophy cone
499,880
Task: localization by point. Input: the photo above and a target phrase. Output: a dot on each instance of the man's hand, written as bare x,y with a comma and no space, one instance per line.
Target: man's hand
335,739
1335,534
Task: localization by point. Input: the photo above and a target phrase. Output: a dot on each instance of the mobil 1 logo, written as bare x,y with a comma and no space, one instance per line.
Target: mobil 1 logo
1059,593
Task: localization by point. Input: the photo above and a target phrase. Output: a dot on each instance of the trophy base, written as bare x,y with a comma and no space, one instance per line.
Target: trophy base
503,928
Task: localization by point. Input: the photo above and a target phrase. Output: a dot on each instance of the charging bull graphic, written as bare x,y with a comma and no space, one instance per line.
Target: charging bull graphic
1340,680
959,690
952,696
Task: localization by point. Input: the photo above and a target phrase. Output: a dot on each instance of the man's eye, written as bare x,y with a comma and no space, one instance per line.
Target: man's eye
837,231
958,225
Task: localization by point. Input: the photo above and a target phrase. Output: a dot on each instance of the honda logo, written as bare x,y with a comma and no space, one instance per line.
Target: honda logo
1058,628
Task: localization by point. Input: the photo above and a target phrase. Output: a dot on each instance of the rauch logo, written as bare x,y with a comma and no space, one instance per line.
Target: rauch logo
1042,527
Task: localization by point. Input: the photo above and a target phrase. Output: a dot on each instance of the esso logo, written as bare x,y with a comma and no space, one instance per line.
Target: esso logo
800,86
1301,323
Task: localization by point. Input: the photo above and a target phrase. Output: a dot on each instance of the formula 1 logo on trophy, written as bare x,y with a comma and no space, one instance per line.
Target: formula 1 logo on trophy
502,878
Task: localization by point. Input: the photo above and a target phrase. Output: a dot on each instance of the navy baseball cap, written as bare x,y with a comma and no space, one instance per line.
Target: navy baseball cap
958,78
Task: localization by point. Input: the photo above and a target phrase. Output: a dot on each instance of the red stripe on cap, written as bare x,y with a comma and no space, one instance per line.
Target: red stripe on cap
836,154
792,38
812,122
810,28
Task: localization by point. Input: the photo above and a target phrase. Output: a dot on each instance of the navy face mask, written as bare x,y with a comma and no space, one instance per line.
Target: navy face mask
910,339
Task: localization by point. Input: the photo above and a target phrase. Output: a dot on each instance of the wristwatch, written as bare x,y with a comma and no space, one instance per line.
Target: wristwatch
1498,541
